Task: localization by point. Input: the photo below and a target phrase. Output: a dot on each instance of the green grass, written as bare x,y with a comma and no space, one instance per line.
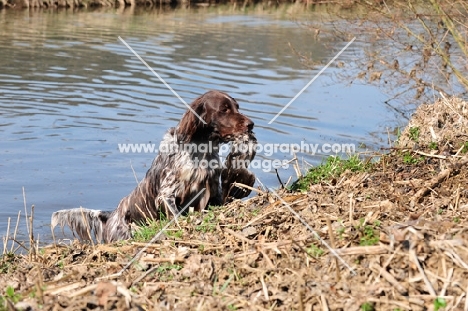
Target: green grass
465,147
208,222
433,145
9,295
332,168
367,306
414,133
314,251
370,233
7,262
147,230
439,303
410,159
164,271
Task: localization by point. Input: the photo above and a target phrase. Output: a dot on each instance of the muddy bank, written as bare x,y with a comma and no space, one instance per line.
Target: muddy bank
391,237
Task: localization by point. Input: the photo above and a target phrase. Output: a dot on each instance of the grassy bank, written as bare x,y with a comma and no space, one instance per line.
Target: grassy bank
385,233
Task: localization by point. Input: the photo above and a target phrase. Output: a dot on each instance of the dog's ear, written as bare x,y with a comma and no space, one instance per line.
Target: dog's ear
190,122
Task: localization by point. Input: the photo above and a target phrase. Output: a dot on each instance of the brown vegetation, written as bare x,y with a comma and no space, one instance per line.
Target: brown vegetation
396,239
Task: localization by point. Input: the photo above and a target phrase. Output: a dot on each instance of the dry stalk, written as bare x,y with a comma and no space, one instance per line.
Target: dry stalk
438,156
32,249
25,211
248,187
457,198
415,260
265,289
447,281
5,239
332,244
323,300
163,260
351,208
16,230
299,296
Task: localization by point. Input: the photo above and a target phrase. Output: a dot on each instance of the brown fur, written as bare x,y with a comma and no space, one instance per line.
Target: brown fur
174,179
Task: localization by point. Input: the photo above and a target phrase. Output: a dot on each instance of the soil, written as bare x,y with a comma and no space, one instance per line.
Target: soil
391,238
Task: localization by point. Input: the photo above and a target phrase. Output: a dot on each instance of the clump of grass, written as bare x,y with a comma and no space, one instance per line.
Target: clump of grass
9,295
439,303
208,222
7,262
433,145
410,159
465,147
146,231
370,234
414,133
164,271
332,168
314,251
367,306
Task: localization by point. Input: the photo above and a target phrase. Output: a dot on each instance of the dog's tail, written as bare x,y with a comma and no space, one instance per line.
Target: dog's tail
82,221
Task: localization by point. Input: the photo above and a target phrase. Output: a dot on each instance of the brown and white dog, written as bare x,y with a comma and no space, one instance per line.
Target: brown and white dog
179,172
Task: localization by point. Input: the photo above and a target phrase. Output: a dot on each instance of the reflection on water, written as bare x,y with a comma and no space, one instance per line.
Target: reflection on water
70,92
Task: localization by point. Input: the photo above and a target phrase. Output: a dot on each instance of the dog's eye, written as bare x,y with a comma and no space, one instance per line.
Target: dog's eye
225,109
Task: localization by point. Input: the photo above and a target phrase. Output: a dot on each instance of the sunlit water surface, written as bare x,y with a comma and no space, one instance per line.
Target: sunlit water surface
71,91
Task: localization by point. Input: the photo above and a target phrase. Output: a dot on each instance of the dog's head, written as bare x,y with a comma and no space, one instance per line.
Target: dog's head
221,115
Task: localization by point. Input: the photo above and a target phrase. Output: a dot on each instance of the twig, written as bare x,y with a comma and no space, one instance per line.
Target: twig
240,237
299,298
332,243
438,156
25,211
159,260
429,185
31,233
362,250
16,230
247,187
324,303
147,272
447,281
83,290
351,208
466,299
5,241
265,289
296,166
279,179
457,198
429,286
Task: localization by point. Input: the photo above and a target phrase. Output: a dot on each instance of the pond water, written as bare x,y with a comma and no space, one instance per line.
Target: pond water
71,91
